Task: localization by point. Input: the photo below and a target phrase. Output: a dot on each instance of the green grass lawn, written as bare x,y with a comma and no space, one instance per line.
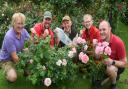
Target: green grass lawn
79,83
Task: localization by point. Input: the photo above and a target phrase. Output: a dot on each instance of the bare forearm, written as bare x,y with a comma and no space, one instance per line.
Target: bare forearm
15,57
120,64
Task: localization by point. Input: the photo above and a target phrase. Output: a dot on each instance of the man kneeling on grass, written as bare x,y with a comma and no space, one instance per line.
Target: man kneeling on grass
117,60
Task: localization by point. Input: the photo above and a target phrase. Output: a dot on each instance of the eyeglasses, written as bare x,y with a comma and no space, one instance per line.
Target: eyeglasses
87,21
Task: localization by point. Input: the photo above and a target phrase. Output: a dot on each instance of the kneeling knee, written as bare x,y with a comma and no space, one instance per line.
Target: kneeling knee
11,75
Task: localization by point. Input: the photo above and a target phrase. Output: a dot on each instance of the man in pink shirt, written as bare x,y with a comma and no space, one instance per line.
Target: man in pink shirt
117,60
43,29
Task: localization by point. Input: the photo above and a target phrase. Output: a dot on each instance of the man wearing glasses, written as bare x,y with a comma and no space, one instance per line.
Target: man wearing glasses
89,32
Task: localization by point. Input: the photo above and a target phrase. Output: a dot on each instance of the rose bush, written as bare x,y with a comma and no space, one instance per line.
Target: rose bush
45,65
42,64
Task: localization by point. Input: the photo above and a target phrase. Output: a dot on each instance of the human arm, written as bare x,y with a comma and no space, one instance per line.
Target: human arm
120,55
117,63
15,57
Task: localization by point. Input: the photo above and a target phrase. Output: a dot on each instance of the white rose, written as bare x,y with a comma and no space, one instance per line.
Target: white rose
59,62
31,61
85,47
70,54
2,14
64,62
43,67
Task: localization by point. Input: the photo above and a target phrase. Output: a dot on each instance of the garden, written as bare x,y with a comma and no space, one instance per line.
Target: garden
63,68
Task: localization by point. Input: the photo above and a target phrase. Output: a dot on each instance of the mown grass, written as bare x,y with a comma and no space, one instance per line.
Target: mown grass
78,83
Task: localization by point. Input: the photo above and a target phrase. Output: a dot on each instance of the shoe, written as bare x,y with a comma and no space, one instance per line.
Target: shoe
113,86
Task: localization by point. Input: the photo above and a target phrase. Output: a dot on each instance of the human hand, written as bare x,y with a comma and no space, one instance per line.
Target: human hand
46,33
108,61
33,30
81,32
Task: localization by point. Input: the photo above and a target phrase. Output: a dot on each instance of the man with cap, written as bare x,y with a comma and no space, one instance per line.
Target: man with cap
68,28
42,30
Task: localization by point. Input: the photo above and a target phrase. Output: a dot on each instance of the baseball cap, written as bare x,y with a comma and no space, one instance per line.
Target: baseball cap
47,14
66,17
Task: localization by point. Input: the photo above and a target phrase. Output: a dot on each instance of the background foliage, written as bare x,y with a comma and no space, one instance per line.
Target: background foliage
34,9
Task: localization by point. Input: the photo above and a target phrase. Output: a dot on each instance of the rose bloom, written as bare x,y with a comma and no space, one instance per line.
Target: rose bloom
80,55
64,62
43,67
99,50
105,43
85,58
80,40
47,82
31,61
107,51
59,62
70,54
99,44
85,47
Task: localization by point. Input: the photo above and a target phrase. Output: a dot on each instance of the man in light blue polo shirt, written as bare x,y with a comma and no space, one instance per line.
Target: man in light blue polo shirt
12,44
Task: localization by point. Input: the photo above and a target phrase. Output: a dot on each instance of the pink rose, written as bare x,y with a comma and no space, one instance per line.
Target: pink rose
85,58
47,82
107,50
83,41
99,44
80,40
99,50
105,43
80,55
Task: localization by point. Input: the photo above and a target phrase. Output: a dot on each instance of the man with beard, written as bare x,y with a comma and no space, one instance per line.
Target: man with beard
89,32
69,29
42,30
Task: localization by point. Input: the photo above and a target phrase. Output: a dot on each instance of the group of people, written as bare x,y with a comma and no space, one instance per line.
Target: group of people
16,35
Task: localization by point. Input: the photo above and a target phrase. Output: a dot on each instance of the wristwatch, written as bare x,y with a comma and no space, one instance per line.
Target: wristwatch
113,63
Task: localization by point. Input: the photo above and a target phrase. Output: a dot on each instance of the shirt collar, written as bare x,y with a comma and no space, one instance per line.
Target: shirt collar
15,32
